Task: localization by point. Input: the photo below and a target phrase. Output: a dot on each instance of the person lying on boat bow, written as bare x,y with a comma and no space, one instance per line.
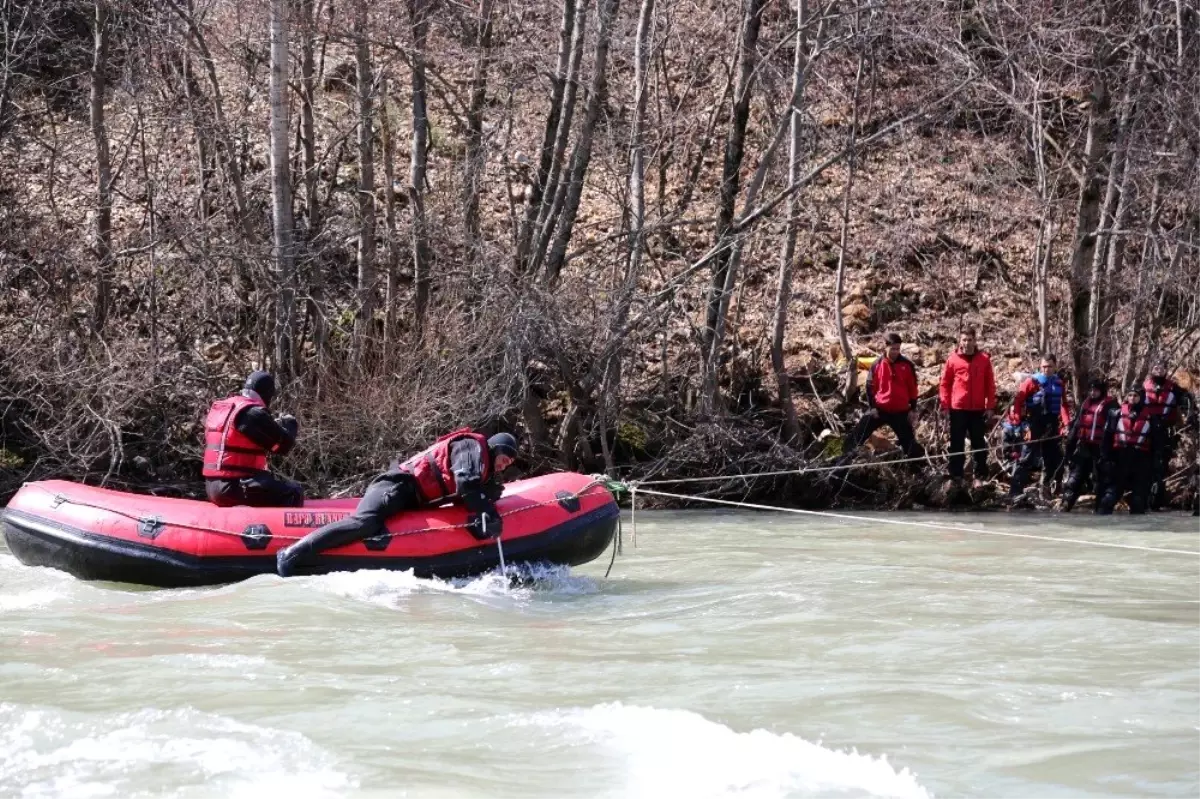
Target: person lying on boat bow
461,466
239,433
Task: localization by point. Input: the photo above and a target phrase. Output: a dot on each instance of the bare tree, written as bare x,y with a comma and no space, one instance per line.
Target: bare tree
418,14
783,290
582,154
476,156
366,182
735,144
104,175
281,191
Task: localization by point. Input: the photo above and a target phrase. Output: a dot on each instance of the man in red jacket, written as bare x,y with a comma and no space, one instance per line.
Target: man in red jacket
968,395
892,395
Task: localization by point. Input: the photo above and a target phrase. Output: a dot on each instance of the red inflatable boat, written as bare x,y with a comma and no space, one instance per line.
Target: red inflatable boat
99,534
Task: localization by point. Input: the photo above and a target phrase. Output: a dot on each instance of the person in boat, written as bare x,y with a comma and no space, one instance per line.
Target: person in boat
239,434
967,395
1133,432
462,466
1086,458
892,396
1042,403
1172,404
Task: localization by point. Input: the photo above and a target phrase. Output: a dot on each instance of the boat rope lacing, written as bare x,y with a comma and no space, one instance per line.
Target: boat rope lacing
60,499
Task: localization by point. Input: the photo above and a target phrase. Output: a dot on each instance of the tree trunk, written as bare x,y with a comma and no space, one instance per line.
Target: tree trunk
366,185
581,156
312,205
610,383
104,178
839,291
734,152
537,186
418,12
1088,217
389,214
711,366
1114,197
555,194
476,155
783,288
281,193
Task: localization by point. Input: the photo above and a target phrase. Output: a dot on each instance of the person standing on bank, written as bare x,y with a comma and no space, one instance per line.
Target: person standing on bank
968,396
1134,432
892,395
1172,404
1085,445
1041,401
239,433
461,466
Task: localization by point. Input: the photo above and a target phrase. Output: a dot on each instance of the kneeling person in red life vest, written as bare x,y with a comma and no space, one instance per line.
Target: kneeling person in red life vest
1132,436
1085,444
239,433
462,466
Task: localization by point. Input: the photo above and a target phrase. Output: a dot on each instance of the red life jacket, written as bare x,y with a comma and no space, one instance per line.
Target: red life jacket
1161,400
1093,416
432,470
1133,432
229,454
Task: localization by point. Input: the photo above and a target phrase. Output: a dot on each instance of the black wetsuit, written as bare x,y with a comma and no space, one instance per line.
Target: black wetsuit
261,489
395,491
1132,469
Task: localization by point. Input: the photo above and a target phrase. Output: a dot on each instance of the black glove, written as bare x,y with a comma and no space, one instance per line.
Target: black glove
492,490
289,424
485,526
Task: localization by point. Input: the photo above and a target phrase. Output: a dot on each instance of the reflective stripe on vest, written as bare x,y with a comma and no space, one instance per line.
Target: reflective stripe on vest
1091,425
432,470
1160,401
229,454
1133,432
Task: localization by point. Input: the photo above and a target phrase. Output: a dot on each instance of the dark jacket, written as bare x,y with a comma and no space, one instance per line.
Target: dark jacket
259,426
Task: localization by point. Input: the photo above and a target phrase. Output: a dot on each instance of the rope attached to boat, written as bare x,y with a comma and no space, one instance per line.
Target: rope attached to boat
633,488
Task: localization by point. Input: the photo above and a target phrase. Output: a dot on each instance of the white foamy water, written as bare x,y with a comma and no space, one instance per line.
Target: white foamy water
50,753
729,655
677,752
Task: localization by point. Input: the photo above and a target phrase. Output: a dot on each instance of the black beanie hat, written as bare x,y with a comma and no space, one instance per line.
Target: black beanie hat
504,444
262,384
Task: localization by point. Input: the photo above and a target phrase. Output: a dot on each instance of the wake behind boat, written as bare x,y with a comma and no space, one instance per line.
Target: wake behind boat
100,534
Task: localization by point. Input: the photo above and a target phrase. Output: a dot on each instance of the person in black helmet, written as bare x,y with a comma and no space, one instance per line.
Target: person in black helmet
239,434
461,466
1085,444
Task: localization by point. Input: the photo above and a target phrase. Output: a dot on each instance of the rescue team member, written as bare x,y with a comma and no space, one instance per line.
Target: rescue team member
461,466
1085,445
968,395
1167,400
239,433
1130,439
1042,403
892,395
